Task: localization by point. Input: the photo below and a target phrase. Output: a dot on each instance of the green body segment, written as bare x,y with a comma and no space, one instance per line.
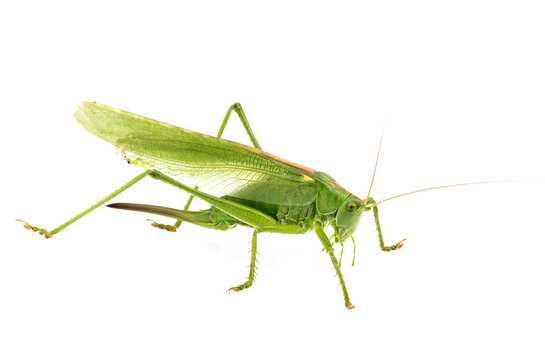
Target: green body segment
301,215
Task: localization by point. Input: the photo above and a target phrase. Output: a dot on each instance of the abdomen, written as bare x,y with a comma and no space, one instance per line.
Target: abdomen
301,215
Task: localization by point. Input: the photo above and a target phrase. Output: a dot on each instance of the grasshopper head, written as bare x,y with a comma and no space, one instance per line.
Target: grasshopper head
348,217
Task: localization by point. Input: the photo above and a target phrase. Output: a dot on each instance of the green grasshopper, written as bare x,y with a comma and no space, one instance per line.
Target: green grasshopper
262,191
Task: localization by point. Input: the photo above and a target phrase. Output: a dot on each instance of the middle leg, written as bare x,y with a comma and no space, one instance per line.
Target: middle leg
251,276
329,249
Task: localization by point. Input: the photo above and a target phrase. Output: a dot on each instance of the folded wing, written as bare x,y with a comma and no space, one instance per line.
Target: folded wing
212,163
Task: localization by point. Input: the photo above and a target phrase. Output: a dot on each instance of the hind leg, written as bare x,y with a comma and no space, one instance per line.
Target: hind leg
49,233
238,109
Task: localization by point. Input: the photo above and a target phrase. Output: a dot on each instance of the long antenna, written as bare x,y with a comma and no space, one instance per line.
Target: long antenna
376,164
442,187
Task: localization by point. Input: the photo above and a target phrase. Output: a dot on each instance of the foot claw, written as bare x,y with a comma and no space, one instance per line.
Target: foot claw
153,223
240,287
170,228
399,245
25,224
43,232
349,306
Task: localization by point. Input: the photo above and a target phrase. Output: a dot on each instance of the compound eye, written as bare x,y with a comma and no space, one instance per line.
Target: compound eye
351,206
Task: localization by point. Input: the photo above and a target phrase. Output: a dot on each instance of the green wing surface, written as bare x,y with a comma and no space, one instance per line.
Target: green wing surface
212,163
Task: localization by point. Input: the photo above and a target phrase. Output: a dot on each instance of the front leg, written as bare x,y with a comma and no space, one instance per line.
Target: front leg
329,249
399,245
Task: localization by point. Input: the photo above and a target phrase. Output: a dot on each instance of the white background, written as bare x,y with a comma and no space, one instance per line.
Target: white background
460,87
